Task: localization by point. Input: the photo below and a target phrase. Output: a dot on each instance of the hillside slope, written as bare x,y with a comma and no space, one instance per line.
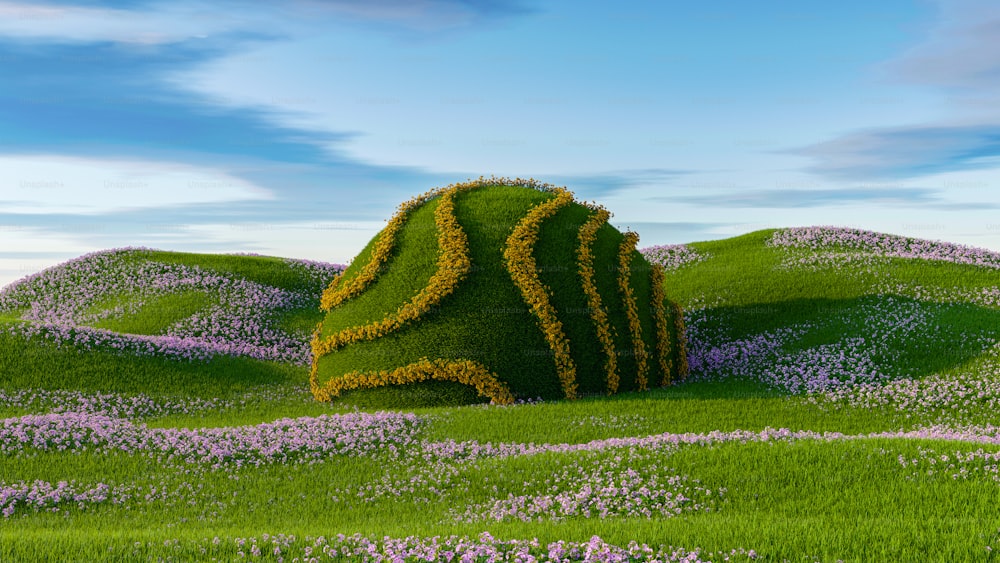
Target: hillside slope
137,319
845,314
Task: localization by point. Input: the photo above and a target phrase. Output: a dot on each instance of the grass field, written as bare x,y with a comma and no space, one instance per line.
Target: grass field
842,405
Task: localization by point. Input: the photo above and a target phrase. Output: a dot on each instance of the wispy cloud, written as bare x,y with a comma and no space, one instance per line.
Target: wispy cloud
961,58
612,182
906,152
161,22
814,198
962,53
70,185
103,102
100,98
423,15
128,23
669,232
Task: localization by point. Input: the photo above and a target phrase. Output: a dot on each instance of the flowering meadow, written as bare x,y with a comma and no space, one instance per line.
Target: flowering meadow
73,302
842,405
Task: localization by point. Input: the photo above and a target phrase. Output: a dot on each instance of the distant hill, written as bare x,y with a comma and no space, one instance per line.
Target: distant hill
825,309
158,308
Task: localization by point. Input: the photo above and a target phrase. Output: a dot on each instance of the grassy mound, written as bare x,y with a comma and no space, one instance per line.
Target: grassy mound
850,316
506,286
140,320
843,404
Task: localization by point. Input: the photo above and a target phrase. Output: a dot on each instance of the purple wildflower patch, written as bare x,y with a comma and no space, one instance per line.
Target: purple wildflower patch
673,256
881,244
60,303
299,440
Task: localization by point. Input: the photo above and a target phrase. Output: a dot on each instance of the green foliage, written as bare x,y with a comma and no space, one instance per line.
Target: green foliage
803,501
36,363
267,270
486,319
158,313
412,265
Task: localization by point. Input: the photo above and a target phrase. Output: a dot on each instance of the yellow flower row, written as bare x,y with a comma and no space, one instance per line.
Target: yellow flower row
682,369
660,316
585,259
631,309
466,372
337,292
524,272
452,267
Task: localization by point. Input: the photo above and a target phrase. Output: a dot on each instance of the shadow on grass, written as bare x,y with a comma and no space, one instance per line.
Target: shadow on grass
949,336
35,363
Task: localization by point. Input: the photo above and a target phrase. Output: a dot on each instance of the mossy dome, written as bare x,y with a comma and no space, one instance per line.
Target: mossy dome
506,289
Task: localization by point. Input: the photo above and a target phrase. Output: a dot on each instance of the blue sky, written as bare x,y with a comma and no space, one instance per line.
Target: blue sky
296,129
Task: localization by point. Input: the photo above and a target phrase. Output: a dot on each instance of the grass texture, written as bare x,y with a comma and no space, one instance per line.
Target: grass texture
881,367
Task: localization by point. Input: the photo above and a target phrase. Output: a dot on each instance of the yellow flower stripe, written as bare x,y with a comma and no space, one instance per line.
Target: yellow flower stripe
660,316
453,265
631,309
336,293
682,369
585,259
467,372
524,273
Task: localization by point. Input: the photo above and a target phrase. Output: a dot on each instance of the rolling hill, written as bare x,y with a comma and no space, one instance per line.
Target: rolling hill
842,404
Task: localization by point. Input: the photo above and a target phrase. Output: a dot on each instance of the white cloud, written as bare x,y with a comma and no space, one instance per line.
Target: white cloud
961,52
39,240
26,250
330,241
37,184
163,24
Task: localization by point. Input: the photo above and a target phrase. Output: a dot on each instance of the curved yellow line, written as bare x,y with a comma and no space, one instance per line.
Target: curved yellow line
466,372
453,265
524,273
682,369
585,259
338,292
660,316
631,309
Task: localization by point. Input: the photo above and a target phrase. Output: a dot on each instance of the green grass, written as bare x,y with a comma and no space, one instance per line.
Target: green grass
825,501
33,363
158,313
487,310
400,280
485,319
266,270
801,501
9,316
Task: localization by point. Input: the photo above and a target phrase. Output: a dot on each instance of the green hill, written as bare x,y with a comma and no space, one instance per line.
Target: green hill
140,320
505,287
842,404
835,311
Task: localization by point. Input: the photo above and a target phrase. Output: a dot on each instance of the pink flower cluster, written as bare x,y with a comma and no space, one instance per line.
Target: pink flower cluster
958,465
438,468
42,495
602,488
892,324
951,397
459,549
139,405
825,237
673,256
299,440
